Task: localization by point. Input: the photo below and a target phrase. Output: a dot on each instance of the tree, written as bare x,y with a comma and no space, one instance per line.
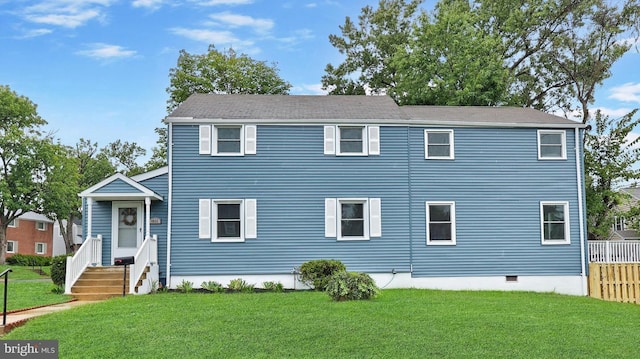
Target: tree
222,73
124,157
30,163
611,158
159,152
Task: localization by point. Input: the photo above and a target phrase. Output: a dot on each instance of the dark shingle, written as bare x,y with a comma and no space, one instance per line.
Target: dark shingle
466,115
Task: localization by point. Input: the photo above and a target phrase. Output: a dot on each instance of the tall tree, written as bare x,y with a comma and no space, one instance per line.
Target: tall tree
224,73
29,162
159,151
124,156
611,159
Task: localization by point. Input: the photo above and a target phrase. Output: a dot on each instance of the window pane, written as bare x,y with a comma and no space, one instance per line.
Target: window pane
435,138
439,151
9,246
440,213
440,231
550,151
228,133
351,133
551,139
553,213
352,228
229,211
352,211
553,231
351,146
228,229
228,146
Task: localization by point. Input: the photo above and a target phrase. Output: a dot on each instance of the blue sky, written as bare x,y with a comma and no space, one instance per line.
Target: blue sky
98,69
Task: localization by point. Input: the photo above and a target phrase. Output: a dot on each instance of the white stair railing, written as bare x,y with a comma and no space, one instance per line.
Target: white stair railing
614,251
89,254
147,255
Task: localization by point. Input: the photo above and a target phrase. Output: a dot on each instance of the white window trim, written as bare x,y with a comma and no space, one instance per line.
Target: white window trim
214,141
563,134
208,140
44,226
370,140
15,247
44,248
452,242
365,214
13,224
451,145
567,226
214,220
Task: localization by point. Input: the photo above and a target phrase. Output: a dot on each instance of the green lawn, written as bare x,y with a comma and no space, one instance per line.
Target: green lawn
28,289
398,324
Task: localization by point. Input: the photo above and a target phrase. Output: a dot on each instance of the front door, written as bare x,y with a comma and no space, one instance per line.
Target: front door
126,229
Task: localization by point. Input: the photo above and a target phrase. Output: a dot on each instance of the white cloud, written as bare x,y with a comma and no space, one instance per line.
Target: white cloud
311,5
236,20
66,13
629,92
221,2
35,33
106,51
613,112
308,89
149,4
221,39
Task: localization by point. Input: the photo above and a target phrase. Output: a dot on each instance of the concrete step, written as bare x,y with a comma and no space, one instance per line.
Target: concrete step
95,296
97,289
84,282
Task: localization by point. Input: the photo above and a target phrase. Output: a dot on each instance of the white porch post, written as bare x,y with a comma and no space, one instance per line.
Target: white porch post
89,214
147,210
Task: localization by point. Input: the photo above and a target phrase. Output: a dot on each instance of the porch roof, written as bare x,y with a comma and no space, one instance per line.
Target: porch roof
118,188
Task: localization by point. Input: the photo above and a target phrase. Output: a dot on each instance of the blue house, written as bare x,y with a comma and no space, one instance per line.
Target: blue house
416,196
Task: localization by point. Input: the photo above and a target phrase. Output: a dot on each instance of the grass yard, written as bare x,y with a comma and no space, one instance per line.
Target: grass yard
28,289
398,324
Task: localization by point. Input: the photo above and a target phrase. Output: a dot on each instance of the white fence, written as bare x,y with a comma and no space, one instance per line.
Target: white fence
89,254
614,251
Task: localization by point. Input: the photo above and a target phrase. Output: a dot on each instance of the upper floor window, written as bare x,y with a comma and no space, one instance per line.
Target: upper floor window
228,220
13,223
12,246
441,223
618,223
554,222
438,144
227,140
41,248
552,145
352,140
41,226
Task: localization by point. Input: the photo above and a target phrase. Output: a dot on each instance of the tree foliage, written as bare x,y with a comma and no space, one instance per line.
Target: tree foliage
611,159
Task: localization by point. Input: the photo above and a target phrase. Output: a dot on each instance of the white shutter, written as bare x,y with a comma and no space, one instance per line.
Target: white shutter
205,139
374,140
204,215
250,219
329,140
375,217
330,217
250,139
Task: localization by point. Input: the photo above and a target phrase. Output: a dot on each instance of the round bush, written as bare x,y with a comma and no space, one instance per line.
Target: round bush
59,269
351,286
316,273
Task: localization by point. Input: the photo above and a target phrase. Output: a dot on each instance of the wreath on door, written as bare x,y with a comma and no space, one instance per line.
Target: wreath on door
129,217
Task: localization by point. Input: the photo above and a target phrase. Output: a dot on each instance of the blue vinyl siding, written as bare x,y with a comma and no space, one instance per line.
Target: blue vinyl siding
117,186
159,209
290,177
497,183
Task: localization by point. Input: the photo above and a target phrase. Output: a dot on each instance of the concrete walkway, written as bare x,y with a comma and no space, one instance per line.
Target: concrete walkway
16,319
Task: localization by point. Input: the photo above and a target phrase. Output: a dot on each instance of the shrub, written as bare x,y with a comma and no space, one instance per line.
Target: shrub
212,286
240,285
351,286
57,289
185,286
273,286
317,273
29,260
59,269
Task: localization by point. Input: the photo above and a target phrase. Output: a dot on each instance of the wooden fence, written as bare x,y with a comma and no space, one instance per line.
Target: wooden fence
618,282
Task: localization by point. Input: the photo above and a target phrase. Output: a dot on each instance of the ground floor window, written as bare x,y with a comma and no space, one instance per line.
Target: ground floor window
441,227
554,222
12,246
41,248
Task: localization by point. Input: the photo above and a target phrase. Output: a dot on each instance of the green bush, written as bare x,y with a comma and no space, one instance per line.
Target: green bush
351,286
273,286
212,286
59,269
317,273
185,286
29,260
240,285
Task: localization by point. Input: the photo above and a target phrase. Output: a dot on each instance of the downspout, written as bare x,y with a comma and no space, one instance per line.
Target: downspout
170,195
583,274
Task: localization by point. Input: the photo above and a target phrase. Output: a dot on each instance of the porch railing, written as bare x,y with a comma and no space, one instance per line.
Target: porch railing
89,254
147,255
614,251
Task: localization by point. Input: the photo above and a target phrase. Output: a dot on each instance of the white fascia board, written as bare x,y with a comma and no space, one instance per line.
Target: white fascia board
144,191
154,173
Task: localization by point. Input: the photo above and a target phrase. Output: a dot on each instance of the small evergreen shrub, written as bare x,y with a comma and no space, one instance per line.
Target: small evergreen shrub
212,286
240,285
57,289
351,286
29,260
273,286
317,273
185,286
59,269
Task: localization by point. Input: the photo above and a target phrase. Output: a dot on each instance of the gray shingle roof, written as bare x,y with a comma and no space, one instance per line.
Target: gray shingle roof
367,109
